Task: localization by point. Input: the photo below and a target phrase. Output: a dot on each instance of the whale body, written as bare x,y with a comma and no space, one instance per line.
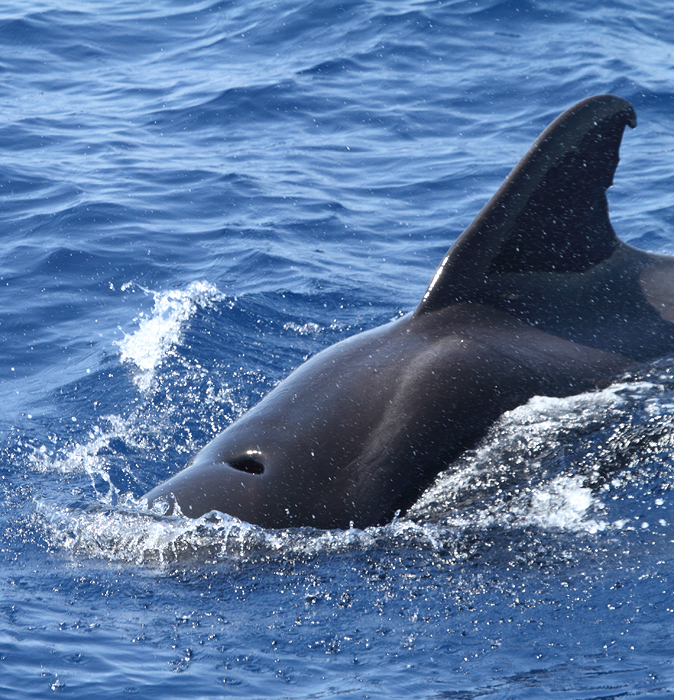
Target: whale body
537,297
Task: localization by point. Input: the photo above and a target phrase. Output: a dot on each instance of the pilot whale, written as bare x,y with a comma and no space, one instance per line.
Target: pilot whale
537,297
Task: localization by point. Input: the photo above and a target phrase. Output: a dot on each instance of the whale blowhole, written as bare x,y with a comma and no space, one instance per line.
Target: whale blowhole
247,464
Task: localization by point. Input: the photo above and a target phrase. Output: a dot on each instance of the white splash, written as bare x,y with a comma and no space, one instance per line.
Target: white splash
160,331
468,495
303,329
88,457
128,532
562,504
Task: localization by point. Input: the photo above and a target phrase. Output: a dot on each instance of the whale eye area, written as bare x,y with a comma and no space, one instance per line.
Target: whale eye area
247,464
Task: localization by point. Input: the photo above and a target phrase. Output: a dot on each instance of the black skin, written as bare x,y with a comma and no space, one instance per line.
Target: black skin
537,297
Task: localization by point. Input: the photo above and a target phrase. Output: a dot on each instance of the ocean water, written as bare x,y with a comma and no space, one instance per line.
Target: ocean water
196,197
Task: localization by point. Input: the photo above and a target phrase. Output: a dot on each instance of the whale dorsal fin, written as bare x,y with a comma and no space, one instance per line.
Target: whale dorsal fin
550,214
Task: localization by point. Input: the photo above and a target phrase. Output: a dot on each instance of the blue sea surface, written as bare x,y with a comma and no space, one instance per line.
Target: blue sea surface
196,197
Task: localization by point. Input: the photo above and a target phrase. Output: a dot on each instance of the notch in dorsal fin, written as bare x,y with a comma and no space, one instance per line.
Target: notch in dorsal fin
550,214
